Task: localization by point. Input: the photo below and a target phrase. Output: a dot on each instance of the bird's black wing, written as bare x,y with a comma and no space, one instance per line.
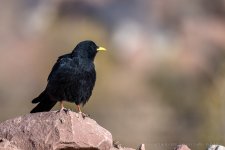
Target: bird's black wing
57,64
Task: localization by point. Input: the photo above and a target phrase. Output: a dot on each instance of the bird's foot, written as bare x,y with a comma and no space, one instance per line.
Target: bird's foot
63,109
84,115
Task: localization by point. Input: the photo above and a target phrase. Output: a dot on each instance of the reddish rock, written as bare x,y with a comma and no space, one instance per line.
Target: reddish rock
6,145
124,148
182,147
54,131
117,146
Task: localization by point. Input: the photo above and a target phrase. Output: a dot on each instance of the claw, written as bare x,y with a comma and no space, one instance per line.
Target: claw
66,110
80,112
84,115
63,108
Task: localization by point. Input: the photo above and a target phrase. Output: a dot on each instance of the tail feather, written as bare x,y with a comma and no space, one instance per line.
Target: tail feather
44,103
40,98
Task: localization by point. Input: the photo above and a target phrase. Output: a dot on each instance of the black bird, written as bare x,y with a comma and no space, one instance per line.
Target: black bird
72,78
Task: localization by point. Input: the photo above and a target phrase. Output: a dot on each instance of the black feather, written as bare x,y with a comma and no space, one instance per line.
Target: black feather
44,103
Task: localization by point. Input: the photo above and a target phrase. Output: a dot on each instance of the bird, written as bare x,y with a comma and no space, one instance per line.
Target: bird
71,79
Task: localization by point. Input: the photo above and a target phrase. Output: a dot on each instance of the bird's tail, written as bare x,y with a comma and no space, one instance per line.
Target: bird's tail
44,103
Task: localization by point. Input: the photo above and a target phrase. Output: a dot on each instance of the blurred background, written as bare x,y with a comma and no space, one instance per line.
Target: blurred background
161,82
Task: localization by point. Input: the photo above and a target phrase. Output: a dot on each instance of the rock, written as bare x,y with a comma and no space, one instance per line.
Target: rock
117,146
182,147
216,147
141,147
54,131
124,148
6,145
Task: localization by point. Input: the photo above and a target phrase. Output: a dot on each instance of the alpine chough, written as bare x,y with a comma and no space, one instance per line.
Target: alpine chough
72,78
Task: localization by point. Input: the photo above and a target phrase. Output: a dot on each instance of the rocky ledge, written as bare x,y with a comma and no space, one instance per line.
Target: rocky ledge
55,131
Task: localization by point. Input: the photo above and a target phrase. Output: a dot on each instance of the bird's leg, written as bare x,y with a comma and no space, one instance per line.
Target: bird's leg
62,107
79,111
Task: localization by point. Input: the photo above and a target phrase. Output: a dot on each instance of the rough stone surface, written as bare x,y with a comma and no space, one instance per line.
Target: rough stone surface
216,147
6,145
117,146
54,131
182,147
124,148
141,147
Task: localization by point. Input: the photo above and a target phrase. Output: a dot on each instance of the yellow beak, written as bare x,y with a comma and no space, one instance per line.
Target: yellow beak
101,49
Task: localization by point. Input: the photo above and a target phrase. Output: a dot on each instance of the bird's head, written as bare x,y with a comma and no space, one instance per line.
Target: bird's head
86,49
